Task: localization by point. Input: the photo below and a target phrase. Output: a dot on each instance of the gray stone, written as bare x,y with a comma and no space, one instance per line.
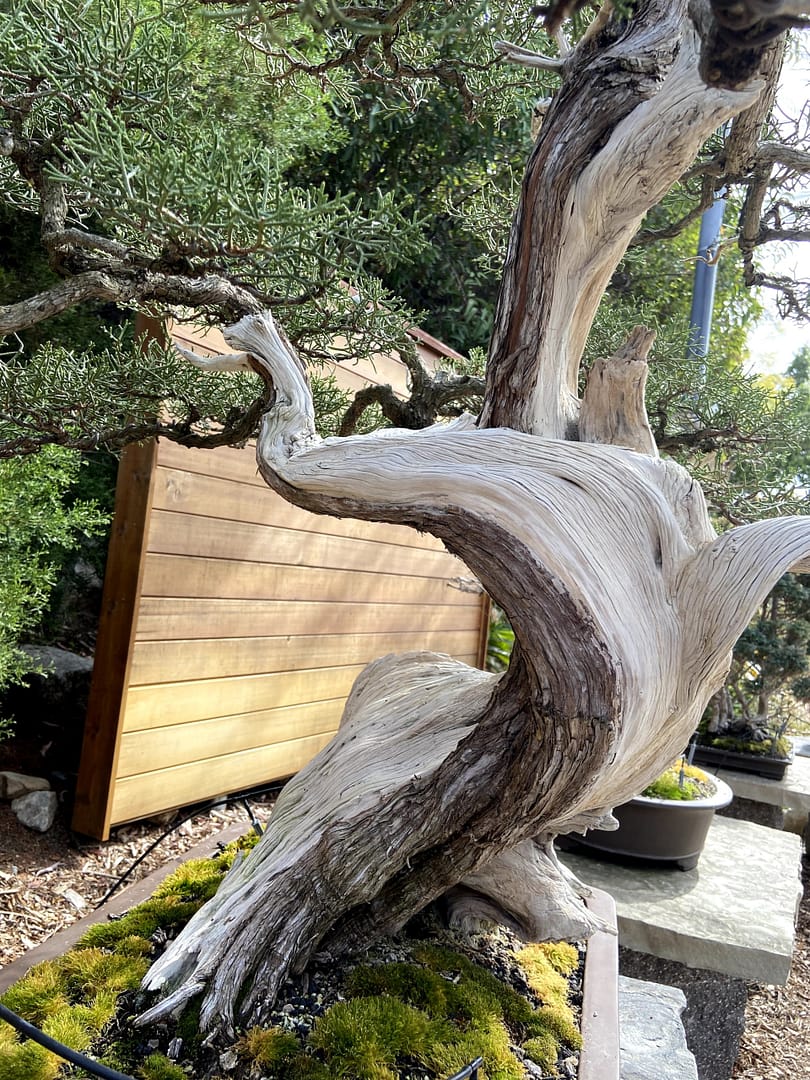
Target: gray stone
36,810
791,792
715,1009
14,784
59,666
734,913
653,1041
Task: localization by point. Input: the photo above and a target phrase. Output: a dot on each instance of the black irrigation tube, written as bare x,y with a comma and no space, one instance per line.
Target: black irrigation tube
73,1056
97,1068
106,1073
243,798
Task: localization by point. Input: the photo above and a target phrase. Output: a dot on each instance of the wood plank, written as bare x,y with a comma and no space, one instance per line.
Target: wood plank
175,661
156,706
139,796
191,534
169,618
173,575
180,744
116,630
220,497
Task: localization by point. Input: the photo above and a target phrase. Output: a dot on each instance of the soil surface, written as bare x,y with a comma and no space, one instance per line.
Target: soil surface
49,880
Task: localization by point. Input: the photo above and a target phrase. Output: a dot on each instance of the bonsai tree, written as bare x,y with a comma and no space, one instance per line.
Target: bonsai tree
444,780
771,656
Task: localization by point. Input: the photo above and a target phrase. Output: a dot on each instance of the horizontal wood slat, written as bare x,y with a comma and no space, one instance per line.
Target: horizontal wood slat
176,661
218,538
202,699
180,744
169,617
251,620
168,575
236,500
149,793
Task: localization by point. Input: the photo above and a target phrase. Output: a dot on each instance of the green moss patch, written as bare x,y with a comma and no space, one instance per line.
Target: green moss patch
425,1016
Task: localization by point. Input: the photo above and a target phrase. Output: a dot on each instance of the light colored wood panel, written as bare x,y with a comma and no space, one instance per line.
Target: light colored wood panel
190,534
202,699
163,618
179,575
139,796
181,744
174,661
208,495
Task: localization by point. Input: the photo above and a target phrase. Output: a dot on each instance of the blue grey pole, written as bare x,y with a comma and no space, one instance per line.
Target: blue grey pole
700,317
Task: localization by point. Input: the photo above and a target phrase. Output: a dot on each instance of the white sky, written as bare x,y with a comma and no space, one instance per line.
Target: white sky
774,341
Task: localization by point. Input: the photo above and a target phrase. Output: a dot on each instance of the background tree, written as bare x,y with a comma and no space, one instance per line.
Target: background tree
441,777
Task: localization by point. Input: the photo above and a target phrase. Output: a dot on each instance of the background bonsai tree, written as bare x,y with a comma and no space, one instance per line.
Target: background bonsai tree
625,604
771,656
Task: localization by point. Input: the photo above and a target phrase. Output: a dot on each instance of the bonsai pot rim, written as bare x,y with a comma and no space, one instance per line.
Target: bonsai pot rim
722,797
770,766
665,831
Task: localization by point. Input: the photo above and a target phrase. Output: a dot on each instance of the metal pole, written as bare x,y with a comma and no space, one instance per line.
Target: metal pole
700,317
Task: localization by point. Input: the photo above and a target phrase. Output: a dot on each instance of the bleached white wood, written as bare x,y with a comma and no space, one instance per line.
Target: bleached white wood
444,780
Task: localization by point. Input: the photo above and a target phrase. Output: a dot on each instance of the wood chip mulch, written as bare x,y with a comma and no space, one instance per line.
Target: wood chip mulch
50,880
776,1041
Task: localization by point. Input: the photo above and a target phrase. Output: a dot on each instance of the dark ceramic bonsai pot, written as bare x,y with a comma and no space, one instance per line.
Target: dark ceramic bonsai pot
773,768
662,830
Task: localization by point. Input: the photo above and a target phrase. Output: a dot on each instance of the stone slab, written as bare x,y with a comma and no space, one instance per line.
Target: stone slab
734,913
651,1033
791,792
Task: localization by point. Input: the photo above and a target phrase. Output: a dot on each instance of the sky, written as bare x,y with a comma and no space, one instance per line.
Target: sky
774,341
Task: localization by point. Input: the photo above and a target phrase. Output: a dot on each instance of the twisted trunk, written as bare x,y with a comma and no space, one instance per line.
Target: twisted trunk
625,605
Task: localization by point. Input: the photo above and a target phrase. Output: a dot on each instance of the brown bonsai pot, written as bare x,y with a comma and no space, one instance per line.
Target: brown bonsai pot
662,830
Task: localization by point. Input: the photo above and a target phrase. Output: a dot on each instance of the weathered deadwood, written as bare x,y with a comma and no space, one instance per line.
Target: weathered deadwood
613,409
629,118
625,604
438,769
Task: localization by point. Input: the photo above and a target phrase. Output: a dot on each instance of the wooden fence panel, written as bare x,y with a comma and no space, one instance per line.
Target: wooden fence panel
248,622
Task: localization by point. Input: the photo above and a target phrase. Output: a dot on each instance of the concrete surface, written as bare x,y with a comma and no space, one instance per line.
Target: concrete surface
734,913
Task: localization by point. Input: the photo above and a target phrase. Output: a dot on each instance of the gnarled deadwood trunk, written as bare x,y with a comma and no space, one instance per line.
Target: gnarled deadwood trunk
625,605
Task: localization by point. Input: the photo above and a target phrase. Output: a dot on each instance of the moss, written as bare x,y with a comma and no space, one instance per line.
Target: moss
774,747
680,783
269,1046
69,1028
417,986
364,1038
491,991
489,1039
40,994
158,1067
27,1061
562,956
547,983
542,1049
86,970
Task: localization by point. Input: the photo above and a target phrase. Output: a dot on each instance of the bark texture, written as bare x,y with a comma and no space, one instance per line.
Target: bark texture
625,604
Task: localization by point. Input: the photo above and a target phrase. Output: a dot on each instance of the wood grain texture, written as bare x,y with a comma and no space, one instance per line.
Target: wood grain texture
169,618
203,699
116,633
138,796
245,623
219,538
175,661
170,575
181,744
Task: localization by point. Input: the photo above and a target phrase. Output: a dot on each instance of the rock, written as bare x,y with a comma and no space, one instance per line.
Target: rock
653,1041
228,1060
36,810
13,785
49,710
